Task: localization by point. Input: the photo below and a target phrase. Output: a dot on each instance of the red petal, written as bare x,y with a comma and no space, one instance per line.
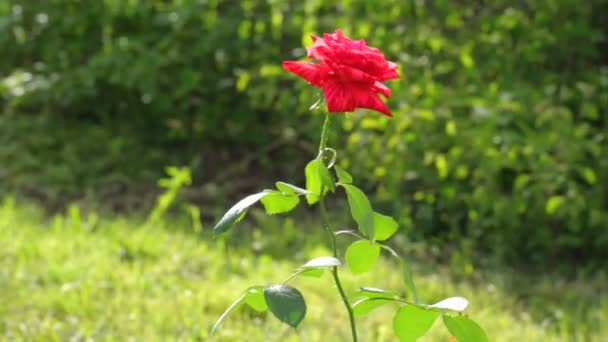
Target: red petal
338,97
346,97
348,73
313,73
321,51
390,72
382,89
368,98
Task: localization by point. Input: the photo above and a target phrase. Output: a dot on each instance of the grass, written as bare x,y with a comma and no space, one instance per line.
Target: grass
79,278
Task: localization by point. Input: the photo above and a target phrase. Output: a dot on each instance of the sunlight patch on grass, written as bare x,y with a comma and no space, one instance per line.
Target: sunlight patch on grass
119,279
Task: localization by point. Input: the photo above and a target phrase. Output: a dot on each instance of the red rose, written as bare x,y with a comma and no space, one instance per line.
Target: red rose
349,73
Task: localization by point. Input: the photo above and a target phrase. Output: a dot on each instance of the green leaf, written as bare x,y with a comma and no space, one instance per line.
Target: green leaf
384,227
276,202
464,329
360,209
290,189
286,303
362,255
364,306
311,272
251,296
408,278
255,298
412,322
315,267
368,299
343,176
313,182
452,303
318,179
322,262
237,212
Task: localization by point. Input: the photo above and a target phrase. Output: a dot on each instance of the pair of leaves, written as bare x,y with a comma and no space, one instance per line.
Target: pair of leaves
412,322
285,199
319,181
285,302
373,225
368,299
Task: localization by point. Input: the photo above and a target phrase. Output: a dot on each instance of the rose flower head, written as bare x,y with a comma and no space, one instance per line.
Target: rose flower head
349,72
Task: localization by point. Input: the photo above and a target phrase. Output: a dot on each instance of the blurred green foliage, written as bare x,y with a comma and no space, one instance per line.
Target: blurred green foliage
498,142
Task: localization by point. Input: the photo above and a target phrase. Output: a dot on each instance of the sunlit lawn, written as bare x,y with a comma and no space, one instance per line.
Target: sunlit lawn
115,279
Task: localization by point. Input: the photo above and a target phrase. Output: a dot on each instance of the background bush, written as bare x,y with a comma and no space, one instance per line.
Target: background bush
498,141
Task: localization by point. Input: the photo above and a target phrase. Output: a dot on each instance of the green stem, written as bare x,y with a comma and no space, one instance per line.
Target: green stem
334,270
332,237
351,315
325,219
297,273
324,135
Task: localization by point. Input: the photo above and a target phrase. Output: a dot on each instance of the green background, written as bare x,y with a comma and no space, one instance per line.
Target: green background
498,144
